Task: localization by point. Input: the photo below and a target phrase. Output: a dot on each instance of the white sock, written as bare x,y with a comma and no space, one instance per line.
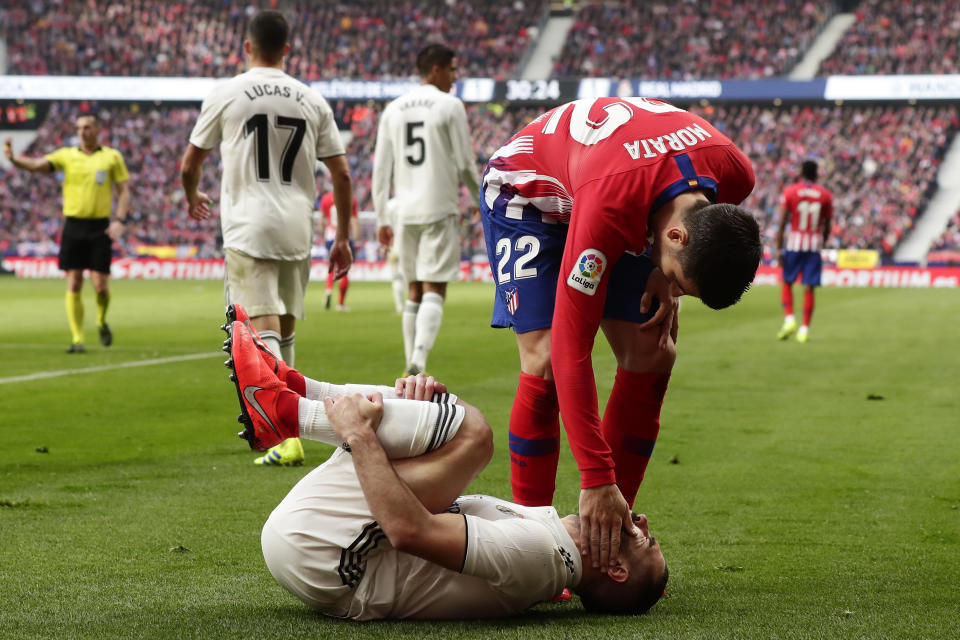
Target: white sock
428,326
317,390
271,339
409,427
287,351
788,319
410,311
398,291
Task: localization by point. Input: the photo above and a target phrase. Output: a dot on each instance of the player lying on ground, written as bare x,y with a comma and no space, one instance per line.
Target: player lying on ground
378,531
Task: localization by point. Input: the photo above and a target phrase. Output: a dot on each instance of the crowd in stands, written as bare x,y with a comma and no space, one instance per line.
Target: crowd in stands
950,238
347,39
899,37
690,40
879,161
152,141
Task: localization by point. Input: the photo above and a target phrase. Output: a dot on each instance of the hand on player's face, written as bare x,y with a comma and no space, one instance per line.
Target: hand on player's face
354,415
667,292
603,515
419,387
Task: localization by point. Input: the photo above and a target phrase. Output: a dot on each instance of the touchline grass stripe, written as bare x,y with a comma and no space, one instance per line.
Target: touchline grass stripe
108,367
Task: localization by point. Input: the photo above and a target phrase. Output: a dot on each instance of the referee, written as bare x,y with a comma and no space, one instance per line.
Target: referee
89,172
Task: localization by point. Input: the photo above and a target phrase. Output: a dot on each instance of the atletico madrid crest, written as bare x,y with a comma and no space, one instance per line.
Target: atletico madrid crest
512,298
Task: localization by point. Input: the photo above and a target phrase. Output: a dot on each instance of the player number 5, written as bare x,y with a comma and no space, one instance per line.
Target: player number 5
530,248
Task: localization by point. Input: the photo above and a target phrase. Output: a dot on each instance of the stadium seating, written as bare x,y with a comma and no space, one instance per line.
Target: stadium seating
352,39
689,40
879,161
897,37
950,238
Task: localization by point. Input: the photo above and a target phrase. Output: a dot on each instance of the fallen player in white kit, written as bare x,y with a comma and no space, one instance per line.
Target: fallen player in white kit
380,530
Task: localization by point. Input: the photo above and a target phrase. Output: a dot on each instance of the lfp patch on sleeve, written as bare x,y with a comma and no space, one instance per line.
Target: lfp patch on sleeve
587,271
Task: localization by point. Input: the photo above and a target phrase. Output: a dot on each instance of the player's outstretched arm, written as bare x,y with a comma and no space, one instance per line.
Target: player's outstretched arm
410,527
23,162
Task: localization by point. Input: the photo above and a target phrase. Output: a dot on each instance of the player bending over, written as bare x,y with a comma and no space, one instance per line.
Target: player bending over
380,529
591,212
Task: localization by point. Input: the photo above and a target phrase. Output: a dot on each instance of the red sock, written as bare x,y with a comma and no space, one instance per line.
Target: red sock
631,424
329,281
344,283
807,306
534,441
786,299
296,383
288,406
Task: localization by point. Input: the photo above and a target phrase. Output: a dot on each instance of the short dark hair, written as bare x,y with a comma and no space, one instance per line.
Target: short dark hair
269,32
619,601
723,252
96,118
809,170
434,55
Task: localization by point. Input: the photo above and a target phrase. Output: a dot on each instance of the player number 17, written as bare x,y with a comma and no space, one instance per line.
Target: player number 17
528,247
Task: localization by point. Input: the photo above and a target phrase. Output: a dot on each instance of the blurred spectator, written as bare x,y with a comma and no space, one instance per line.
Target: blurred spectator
150,141
950,238
899,37
347,39
690,40
880,162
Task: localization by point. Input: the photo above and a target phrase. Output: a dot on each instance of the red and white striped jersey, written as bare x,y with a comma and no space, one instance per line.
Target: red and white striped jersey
329,211
603,166
810,206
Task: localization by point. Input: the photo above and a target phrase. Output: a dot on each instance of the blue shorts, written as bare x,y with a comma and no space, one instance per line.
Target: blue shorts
525,258
807,262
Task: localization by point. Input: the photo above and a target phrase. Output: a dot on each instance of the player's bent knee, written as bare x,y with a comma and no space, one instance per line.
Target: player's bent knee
476,433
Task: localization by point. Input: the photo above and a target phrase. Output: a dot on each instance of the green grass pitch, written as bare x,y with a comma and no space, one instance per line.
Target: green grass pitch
789,504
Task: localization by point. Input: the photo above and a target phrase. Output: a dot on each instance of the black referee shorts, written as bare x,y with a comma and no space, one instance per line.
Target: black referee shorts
84,244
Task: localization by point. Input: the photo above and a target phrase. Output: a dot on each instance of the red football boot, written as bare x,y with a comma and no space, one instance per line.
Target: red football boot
289,375
268,408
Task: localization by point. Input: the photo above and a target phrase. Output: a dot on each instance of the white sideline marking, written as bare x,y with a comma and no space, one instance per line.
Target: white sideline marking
109,367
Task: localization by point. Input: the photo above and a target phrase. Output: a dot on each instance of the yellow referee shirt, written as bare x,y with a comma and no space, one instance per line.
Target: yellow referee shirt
88,179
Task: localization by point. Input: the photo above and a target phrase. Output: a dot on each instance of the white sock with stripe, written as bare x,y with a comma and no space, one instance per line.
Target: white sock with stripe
287,352
271,339
409,427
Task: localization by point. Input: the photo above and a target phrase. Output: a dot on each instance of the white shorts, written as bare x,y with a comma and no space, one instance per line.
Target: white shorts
266,287
430,252
318,539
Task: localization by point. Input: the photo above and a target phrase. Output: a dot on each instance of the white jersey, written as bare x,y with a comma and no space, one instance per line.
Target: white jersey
424,148
271,129
516,557
322,544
